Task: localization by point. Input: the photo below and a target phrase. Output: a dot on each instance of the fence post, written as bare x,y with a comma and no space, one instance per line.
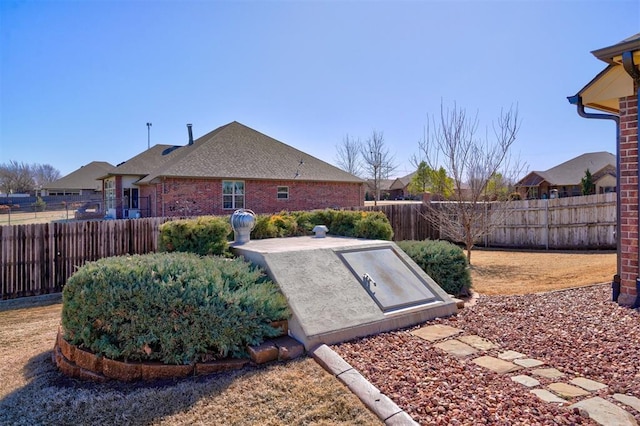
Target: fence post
546,223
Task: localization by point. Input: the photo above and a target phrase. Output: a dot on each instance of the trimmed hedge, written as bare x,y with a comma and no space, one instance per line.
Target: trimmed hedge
206,235
347,223
177,308
442,261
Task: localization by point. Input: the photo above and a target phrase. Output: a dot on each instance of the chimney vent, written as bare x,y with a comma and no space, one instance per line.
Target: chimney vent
190,134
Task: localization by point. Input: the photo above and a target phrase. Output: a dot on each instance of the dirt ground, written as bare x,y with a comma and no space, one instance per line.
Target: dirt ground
523,272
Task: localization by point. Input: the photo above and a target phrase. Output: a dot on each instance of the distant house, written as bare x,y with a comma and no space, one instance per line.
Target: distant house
229,168
399,189
566,178
384,186
83,181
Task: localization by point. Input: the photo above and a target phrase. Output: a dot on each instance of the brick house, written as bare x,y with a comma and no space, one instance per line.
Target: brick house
615,92
566,178
229,168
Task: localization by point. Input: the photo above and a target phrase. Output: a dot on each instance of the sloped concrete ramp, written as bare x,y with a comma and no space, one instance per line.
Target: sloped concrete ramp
342,288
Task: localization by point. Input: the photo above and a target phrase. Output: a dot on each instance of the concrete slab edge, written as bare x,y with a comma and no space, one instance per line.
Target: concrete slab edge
374,400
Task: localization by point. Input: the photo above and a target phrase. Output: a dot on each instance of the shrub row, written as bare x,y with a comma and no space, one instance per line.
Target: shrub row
347,223
205,235
442,261
177,308
210,235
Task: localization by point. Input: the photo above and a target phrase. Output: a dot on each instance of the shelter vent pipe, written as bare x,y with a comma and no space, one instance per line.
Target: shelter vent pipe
577,101
634,73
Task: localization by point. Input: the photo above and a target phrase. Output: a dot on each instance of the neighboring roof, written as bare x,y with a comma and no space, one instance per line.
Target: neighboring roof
402,182
232,151
86,177
571,172
384,184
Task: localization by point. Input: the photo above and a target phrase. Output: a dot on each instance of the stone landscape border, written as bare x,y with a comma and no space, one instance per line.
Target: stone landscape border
78,363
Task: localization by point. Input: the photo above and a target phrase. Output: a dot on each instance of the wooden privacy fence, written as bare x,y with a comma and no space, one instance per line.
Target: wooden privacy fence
587,222
38,259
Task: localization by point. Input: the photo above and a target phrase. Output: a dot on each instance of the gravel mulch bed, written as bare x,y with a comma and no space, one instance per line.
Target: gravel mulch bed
579,331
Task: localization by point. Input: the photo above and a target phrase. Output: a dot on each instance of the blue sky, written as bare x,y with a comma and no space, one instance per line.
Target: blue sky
80,80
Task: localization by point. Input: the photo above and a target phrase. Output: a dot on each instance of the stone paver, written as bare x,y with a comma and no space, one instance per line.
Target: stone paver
629,400
436,332
478,342
495,364
588,384
525,380
547,396
511,355
528,362
456,348
549,373
567,391
605,412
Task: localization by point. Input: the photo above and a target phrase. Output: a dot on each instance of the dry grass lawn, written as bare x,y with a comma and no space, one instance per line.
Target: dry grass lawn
33,392
27,218
522,272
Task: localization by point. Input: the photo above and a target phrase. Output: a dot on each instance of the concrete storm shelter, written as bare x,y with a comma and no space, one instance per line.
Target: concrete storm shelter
615,92
342,288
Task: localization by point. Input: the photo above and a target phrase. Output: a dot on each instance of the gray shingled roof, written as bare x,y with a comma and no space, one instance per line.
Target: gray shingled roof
234,151
147,161
571,172
83,178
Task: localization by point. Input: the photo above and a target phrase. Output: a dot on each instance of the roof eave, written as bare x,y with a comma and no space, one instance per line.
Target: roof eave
610,53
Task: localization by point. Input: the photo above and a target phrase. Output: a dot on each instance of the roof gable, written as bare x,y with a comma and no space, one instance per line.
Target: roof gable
147,161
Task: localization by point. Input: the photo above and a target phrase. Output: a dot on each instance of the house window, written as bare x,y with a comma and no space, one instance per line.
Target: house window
110,193
283,193
232,194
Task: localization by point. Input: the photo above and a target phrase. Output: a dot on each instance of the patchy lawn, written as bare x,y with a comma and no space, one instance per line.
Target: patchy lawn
33,392
524,272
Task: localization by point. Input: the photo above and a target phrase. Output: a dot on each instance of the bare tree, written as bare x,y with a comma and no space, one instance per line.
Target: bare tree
378,162
473,162
348,155
44,173
18,177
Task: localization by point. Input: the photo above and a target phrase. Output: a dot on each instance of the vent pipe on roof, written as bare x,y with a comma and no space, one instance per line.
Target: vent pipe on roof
190,134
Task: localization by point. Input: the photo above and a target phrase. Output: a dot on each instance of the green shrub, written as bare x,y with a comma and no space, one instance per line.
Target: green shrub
175,308
357,224
442,261
374,225
206,235
40,205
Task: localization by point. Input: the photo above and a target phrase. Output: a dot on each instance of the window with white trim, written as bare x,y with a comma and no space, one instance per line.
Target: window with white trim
232,194
283,193
110,193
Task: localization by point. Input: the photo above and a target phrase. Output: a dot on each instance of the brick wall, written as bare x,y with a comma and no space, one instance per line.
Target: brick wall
189,197
628,198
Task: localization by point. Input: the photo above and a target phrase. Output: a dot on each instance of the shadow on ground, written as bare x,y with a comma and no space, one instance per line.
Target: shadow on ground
52,398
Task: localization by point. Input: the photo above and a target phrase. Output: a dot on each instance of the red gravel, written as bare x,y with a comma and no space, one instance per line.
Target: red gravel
579,332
